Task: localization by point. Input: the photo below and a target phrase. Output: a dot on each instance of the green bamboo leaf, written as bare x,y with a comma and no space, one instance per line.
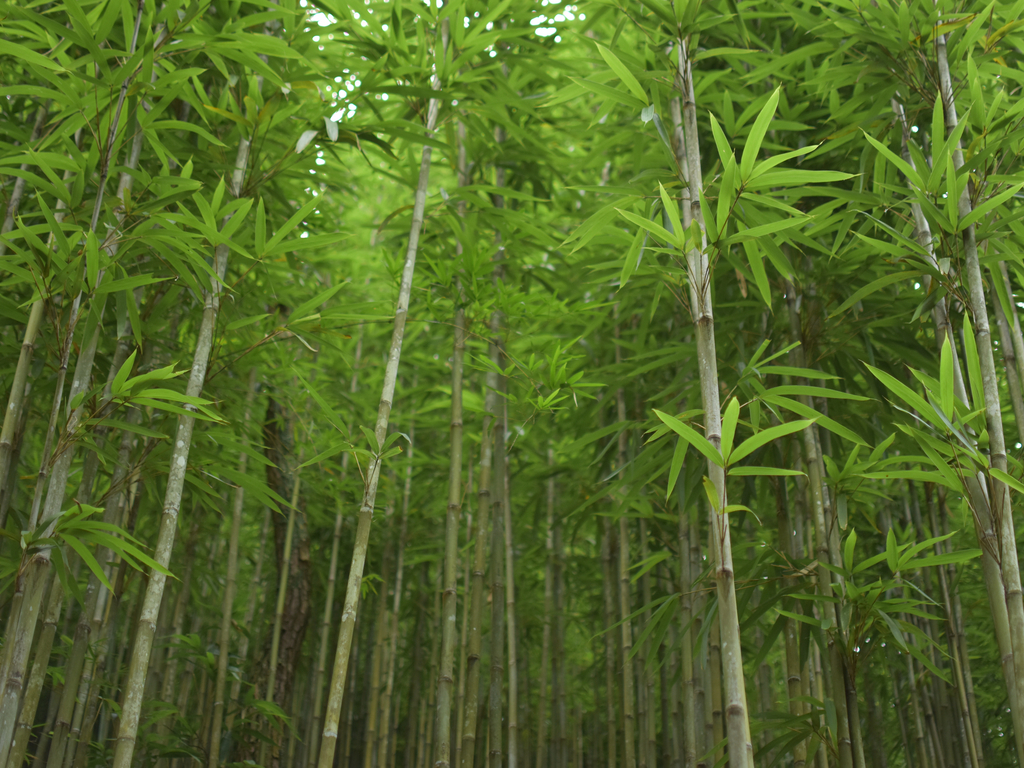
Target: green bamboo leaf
622,72
765,436
698,441
907,395
946,379
973,364
117,386
872,287
752,145
87,557
892,554
729,420
747,471
654,228
678,456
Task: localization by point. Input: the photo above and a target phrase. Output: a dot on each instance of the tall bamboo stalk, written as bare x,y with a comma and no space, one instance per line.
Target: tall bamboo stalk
609,643
450,587
999,492
495,702
471,704
132,708
510,617
329,739
741,753
230,585
545,648
389,682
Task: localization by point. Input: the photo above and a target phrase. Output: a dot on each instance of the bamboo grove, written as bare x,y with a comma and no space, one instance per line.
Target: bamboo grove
616,384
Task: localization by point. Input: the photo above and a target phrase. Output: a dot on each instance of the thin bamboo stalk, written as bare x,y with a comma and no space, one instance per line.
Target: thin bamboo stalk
471,706
449,603
330,731
132,708
231,582
741,753
495,702
389,684
545,647
609,644
999,492
510,617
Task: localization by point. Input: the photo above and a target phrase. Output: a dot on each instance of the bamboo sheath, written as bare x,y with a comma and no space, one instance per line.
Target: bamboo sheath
132,707
329,738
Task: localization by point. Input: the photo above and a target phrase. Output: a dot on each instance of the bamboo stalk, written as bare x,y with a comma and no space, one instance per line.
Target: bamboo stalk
338,676
497,632
510,617
231,583
389,685
609,643
132,707
741,753
545,647
449,603
471,706
998,491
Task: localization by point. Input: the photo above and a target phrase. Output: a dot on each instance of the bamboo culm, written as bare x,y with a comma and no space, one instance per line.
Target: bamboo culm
329,737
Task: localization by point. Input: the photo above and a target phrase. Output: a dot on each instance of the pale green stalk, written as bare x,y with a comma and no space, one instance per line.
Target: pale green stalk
329,739
227,606
741,753
450,586
139,665
999,492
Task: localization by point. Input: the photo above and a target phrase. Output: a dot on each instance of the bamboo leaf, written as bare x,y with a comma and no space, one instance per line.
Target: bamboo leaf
623,73
691,437
752,145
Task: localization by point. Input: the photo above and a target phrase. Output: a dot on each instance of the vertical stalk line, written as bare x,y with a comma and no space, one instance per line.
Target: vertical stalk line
450,578
332,575
282,591
471,705
250,612
389,681
999,493
230,583
25,618
545,647
510,616
18,191
497,632
791,630
464,639
979,503
625,607
26,719
651,726
139,665
558,652
609,643
689,752
329,739
741,753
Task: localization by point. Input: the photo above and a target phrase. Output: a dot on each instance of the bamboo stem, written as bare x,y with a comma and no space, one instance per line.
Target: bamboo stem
329,739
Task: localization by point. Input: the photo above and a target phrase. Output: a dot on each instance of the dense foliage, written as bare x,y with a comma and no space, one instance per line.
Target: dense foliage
694,342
